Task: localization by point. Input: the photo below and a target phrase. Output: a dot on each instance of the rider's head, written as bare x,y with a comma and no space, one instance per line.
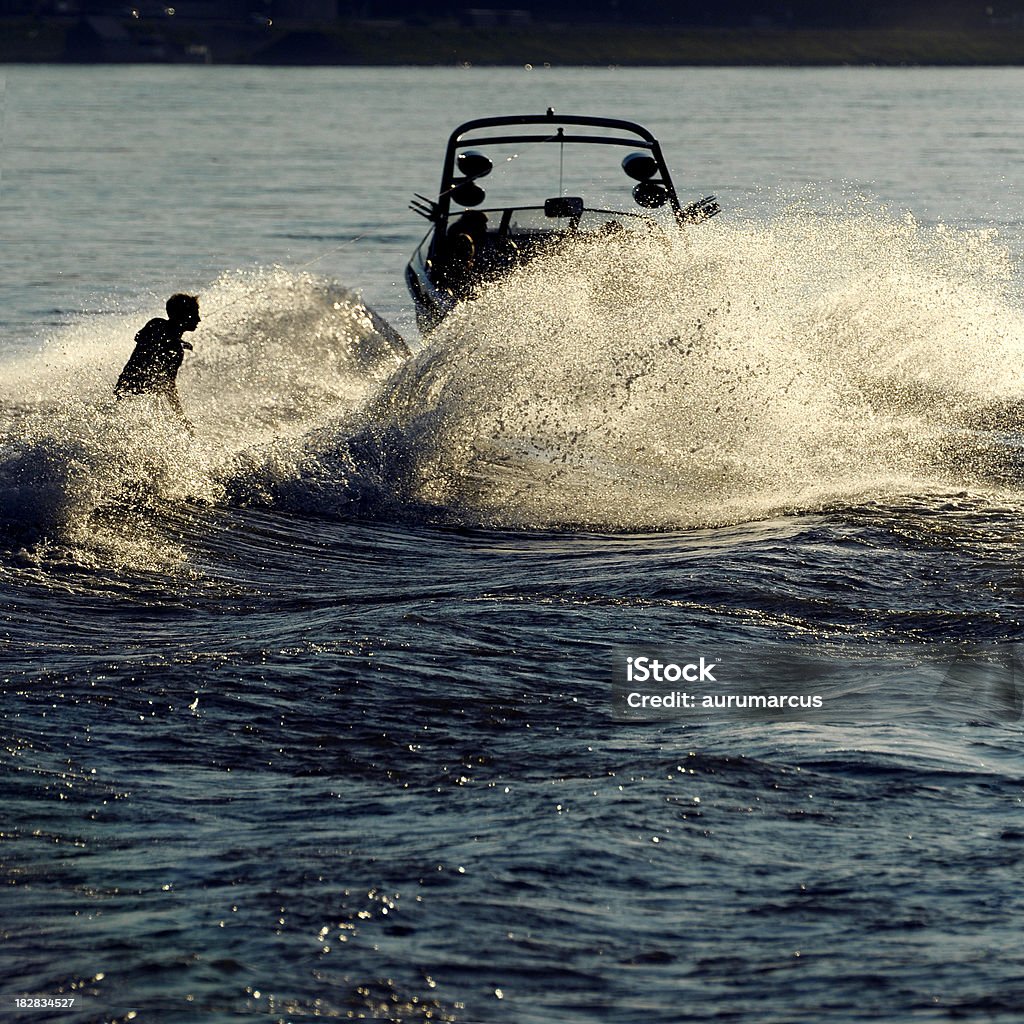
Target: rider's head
183,311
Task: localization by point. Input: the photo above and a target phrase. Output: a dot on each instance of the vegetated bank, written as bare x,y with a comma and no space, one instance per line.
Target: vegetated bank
54,40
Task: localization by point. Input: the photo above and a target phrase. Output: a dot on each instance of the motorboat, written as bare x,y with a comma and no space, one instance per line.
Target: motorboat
512,186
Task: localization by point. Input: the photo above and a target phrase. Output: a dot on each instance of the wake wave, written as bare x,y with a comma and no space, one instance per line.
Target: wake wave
728,373
276,352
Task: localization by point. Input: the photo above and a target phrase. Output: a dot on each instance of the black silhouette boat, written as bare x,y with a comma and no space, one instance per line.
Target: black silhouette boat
511,186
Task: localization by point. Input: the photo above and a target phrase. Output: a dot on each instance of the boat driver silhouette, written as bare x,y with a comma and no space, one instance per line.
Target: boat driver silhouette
464,242
153,366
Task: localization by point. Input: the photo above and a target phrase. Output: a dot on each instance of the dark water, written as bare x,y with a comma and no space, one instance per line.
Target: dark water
360,768
311,715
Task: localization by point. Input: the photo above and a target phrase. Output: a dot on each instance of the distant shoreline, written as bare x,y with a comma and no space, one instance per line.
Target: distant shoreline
353,44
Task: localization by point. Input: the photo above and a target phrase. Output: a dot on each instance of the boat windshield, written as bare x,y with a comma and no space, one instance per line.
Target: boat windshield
534,221
526,174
